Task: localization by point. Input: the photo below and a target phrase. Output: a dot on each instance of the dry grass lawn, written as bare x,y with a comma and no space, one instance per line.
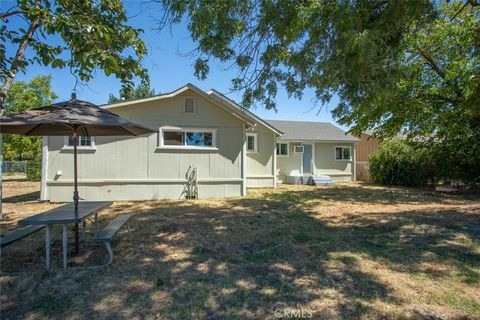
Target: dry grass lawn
349,251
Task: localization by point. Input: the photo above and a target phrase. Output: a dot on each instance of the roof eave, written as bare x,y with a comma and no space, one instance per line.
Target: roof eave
244,111
186,87
321,140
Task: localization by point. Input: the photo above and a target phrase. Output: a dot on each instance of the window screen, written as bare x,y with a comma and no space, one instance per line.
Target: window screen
173,138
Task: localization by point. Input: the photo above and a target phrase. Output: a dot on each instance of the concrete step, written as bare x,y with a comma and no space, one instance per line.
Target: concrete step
321,181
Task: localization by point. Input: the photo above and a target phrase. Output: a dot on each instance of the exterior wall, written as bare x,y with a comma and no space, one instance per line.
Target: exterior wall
364,148
134,168
290,165
325,163
260,164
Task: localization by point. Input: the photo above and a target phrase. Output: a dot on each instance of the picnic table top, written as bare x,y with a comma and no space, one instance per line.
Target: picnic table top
65,213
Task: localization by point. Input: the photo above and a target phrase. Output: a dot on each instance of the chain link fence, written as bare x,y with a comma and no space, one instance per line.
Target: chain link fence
15,168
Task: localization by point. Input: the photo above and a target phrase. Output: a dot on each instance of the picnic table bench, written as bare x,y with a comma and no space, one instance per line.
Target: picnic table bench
18,234
106,235
64,215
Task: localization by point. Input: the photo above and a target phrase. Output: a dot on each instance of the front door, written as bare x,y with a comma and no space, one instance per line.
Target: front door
307,158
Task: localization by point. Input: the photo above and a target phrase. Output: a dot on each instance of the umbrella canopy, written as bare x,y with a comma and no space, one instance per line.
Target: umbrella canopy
71,118
63,118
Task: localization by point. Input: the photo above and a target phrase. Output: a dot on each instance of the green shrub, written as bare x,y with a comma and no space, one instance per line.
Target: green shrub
416,163
34,170
399,163
457,159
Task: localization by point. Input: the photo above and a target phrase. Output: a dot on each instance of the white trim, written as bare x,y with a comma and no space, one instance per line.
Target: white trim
255,142
288,149
244,162
194,104
236,112
139,181
274,165
161,145
333,174
43,186
313,158
322,141
354,164
238,107
261,177
186,148
66,146
335,153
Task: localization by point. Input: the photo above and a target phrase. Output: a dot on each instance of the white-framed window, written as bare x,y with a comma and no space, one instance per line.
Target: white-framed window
190,105
83,142
252,142
187,138
282,149
343,153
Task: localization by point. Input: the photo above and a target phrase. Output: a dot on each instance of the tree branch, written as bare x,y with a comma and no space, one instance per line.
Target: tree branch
433,65
19,55
446,99
4,16
474,3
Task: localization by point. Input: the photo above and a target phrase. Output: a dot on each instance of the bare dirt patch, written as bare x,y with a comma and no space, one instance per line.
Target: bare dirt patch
349,251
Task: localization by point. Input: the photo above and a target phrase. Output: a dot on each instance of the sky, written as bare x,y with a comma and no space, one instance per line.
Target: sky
170,68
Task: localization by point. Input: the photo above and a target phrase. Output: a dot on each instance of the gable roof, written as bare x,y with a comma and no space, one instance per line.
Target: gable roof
247,118
227,100
311,131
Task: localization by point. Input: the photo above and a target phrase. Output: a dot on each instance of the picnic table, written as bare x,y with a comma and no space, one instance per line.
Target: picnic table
64,215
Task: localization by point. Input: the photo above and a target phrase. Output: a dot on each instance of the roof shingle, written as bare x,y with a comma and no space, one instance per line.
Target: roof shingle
311,131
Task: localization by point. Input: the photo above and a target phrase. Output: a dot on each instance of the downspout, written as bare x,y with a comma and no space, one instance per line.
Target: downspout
43,186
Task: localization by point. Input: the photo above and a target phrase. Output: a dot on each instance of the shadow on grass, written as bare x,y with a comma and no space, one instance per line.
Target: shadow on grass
32,196
248,257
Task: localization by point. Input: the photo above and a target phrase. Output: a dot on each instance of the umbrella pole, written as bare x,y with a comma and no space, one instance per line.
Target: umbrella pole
75,188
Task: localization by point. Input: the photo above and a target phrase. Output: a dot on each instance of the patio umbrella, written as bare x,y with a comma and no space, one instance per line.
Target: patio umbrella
71,118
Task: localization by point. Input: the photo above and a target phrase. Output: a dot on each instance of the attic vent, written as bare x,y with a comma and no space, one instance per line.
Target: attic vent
298,149
189,105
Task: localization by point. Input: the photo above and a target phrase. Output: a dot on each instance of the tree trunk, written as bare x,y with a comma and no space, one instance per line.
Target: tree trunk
19,55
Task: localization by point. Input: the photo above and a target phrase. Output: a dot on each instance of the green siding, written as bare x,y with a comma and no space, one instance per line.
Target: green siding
260,169
133,168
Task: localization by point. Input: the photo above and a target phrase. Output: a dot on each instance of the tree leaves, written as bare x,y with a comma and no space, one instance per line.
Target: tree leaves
23,96
95,34
368,52
141,91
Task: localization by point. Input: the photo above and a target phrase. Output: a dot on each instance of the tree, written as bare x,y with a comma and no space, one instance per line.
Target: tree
23,96
141,91
95,34
393,64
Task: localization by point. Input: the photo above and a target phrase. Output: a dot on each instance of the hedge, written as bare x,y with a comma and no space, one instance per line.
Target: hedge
398,163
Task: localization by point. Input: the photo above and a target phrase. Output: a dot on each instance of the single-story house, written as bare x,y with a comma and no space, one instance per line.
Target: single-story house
207,146
324,150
